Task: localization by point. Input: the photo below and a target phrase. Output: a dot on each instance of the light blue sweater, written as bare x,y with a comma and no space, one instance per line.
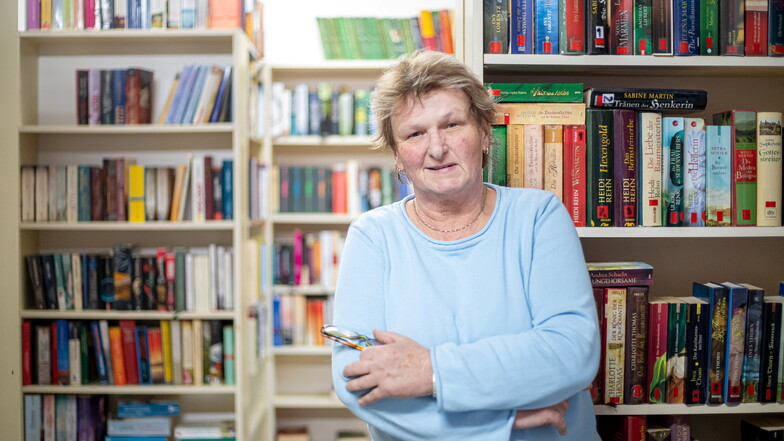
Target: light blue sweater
508,314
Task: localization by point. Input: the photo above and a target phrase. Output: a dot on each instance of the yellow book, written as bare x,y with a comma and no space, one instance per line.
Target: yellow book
46,14
168,370
136,193
198,353
539,113
514,155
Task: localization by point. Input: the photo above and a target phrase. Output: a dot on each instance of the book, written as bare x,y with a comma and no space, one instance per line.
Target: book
658,325
599,165
752,350
694,172
731,28
572,26
515,149
496,26
649,191
685,27
540,113
521,26
553,160
676,351
708,27
771,343
574,152
536,92
625,144
620,273
136,196
635,368
743,139
697,322
661,100
496,166
736,337
761,428
769,173
718,179
672,169
621,27
755,25
533,156
546,29
776,28
597,27
615,313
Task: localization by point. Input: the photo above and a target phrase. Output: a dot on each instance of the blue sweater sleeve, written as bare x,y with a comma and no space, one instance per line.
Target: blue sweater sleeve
553,360
359,305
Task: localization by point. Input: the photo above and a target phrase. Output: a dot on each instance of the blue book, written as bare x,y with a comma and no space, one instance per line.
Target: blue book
314,114
119,79
195,94
143,355
227,182
100,357
135,14
776,28
521,27
694,172
84,193
716,296
59,280
223,89
736,340
277,332
546,27
296,194
181,94
685,30
133,409
718,176
63,359
752,351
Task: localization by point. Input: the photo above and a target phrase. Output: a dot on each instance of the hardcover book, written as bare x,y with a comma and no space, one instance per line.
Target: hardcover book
661,29
771,342
676,351
540,113
496,26
620,273
515,133
625,174
643,25
776,28
546,31
697,323
649,192
572,25
731,28
533,156
672,168
769,173
615,313
685,28
536,92
752,351
635,369
574,145
597,27
718,179
496,167
553,159
694,172
743,138
709,27
736,338
621,27
646,99
597,385
756,27
599,168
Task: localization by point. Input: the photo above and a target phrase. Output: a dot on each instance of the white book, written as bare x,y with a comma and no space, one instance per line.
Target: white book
650,169
28,193
76,270
33,417
78,14
176,348
41,193
208,91
325,245
150,192
158,18
279,117
189,282
220,277
694,172
52,192
352,187
120,14
228,279
174,16
187,352
202,280
769,171
75,365
147,426
72,193
212,293
300,110
163,193
198,191
71,418
103,325
198,353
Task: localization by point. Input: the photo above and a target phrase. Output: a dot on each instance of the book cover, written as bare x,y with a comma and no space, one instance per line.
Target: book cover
597,27
732,28
672,168
718,179
635,368
533,156
649,189
129,352
615,313
756,27
771,342
752,350
624,172
657,350
776,28
123,300
620,273
769,169
536,92
709,27
676,351
228,354
736,338
521,26
572,27
743,138
540,113
621,27
546,32
643,26
43,350
599,165
142,347
553,160
661,29
685,28
694,172
697,323
646,99
515,149
574,151
496,26
496,166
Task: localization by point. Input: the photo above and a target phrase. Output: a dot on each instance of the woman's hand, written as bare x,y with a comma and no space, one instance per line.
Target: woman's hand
398,368
553,416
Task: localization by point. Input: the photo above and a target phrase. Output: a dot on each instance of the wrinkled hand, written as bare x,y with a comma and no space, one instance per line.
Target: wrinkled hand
398,368
552,416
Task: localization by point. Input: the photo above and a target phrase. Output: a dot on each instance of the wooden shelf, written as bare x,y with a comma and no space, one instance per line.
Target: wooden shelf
88,314
315,401
320,141
130,129
302,351
683,409
311,290
678,232
333,65
224,225
312,218
135,389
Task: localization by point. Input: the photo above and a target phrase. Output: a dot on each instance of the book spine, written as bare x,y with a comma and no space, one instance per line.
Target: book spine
553,159
756,27
574,173
647,99
615,313
661,29
496,26
736,336
496,166
521,27
643,25
143,364
685,28
776,28
536,92
227,184
718,180
770,351
635,369
769,173
649,190
731,28
533,156
709,27
672,167
694,172
657,351
697,353
546,31
750,378
622,27
540,113
129,352
572,25
597,27
744,167
625,140
123,300
676,350
599,160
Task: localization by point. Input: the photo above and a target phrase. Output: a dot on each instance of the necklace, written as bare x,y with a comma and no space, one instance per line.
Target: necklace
481,209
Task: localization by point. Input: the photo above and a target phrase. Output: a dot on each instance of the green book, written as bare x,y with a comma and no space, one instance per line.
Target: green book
643,26
228,354
709,27
676,351
536,92
743,138
599,167
179,279
495,171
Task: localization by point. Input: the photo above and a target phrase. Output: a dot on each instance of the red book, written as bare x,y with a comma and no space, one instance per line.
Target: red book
171,274
53,346
89,15
118,357
97,196
132,85
574,172
625,167
156,355
27,354
658,321
574,40
128,335
339,194
756,26
622,27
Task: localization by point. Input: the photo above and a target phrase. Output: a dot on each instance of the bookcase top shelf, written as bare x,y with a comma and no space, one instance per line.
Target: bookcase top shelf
87,314
315,140
617,65
683,409
132,389
679,232
332,65
222,225
118,129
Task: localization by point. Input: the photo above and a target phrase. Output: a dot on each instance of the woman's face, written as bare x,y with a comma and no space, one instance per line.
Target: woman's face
439,145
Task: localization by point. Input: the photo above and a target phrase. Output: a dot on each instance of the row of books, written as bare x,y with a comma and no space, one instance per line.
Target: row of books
114,96
721,345
374,38
342,188
644,428
628,168
308,258
140,14
297,319
634,27
126,278
121,190
73,352
321,110
64,416
200,93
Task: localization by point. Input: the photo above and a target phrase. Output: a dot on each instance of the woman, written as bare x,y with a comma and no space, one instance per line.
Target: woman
479,294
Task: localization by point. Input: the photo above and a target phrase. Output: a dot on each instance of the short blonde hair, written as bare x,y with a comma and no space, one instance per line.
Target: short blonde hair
417,74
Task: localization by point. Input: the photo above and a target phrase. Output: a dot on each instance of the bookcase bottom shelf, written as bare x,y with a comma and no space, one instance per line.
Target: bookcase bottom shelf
131,390
694,409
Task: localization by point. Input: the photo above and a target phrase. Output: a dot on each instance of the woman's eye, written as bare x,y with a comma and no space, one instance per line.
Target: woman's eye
453,124
414,134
